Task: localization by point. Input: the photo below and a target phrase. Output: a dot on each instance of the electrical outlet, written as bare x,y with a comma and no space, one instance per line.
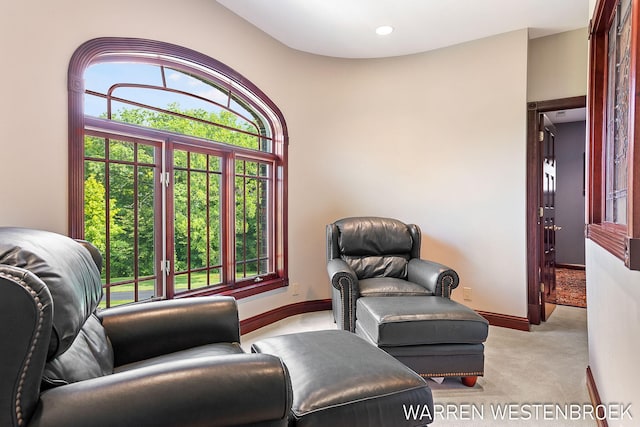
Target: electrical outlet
295,289
466,294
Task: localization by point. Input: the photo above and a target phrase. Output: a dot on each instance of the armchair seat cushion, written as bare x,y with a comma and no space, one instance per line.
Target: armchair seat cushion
216,349
390,286
411,321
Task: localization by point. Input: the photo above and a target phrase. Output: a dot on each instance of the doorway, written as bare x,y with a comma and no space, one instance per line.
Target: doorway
543,222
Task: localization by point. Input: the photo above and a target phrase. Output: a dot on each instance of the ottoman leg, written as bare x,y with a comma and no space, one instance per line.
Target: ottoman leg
469,381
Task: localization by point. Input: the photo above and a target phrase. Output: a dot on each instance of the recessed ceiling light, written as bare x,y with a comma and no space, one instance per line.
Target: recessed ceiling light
384,30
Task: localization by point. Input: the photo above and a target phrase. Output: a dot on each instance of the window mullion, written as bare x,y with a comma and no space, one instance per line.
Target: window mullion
107,197
208,218
228,214
169,221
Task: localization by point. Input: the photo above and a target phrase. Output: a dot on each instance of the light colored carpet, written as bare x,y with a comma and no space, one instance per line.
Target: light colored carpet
523,372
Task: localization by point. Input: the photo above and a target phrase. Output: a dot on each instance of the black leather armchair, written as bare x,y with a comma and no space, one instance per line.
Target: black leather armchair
167,363
371,256
385,293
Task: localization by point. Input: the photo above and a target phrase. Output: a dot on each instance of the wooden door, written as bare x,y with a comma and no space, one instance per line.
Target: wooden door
534,198
547,220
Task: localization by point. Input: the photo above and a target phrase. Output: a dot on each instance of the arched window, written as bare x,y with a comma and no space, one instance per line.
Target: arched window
177,172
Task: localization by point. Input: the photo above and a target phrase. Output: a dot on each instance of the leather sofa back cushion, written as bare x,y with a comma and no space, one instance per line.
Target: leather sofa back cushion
90,356
375,247
67,269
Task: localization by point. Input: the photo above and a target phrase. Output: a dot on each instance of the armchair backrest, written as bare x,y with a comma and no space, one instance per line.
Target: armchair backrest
50,288
373,246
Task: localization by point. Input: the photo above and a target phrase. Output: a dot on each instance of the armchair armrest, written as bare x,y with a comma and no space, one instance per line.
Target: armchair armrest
341,275
225,390
344,279
438,278
142,331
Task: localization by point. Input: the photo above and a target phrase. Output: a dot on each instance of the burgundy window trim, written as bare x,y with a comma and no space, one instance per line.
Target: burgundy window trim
620,240
114,48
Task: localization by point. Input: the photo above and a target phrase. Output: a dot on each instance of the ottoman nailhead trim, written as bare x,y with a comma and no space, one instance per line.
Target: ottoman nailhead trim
452,374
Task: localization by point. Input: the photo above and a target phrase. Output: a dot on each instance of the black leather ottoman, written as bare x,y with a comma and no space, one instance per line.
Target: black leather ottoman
338,379
436,337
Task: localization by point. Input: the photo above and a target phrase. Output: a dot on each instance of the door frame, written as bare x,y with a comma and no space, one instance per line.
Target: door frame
534,197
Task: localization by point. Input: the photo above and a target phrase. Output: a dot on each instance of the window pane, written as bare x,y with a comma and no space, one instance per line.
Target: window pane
214,276
146,289
242,110
198,220
181,282
180,158
180,223
198,161
94,147
102,76
121,237
187,83
146,222
124,228
95,106
251,219
215,164
95,207
197,195
121,150
263,170
618,115
215,232
146,154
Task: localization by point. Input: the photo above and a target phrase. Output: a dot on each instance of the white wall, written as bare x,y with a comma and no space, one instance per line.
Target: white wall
558,66
613,315
414,137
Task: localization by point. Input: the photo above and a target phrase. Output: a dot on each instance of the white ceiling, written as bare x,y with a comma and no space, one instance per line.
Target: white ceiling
346,28
567,116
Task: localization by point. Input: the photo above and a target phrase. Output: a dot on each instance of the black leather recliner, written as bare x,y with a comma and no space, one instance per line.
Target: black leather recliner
168,363
371,256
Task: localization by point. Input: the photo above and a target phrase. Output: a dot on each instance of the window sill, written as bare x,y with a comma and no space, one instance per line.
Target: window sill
239,292
614,239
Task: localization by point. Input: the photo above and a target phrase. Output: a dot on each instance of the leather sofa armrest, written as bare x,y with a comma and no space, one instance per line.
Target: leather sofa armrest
224,390
141,331
437,278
